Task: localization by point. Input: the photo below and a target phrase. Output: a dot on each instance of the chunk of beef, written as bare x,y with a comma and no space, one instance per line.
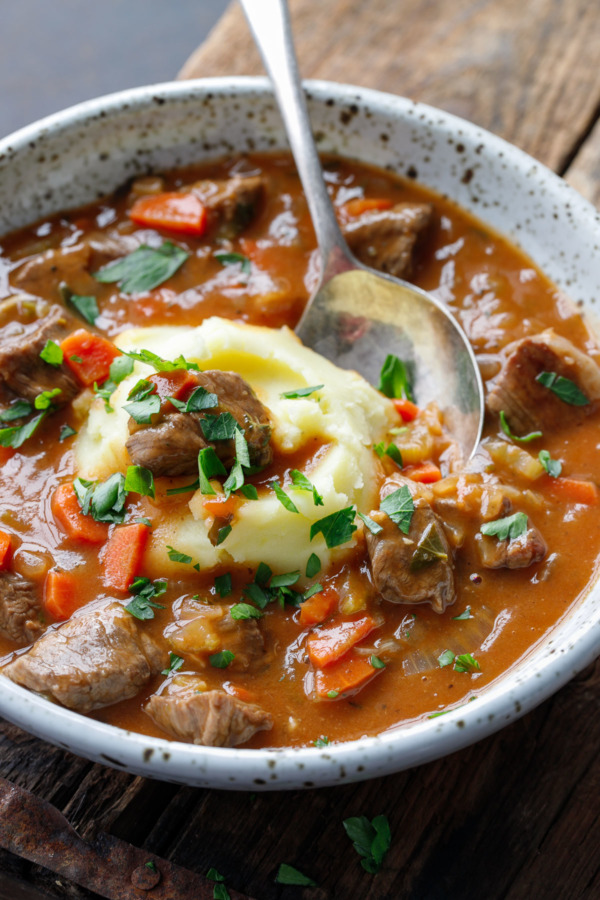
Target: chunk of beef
416,567
202,629
96,658
529,405
43,274
388,240
212,718
171,446
22,372
528,548
232,200
20,609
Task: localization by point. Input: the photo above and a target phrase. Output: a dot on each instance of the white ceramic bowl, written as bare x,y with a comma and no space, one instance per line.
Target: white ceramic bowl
88,150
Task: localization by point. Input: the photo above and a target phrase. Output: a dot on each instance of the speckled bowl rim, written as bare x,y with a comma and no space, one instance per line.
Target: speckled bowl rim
571,645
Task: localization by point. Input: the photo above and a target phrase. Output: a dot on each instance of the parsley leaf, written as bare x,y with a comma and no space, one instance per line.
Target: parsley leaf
19,409
108,499
144,269
466,662
222,533
394,379
373,527
336,528
313,565
289,875
283,498
145,591
552,466
429,550
532,436
139,480
147,404
220,892
223,584
446,658
209,466
249,491
175,662
464,615
221,660
17,435
52,354
508,528
376,662
86,306
176,556
399,507
371,840
315,588
394,453
241,611
228,259
565,389
301,483
158,363
44,400
321,741
219,428
285,580
301,392
66,432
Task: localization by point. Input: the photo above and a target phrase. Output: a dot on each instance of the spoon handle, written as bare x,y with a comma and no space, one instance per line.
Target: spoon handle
269,22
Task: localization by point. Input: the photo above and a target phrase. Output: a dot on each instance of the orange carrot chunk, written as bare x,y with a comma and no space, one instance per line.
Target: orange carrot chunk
178,384
236,690
407,409
61,594
361,205
345,677
172,211
329,644
89,356
122,555
573,490
425,473
6,549
219,507
319,607
67,512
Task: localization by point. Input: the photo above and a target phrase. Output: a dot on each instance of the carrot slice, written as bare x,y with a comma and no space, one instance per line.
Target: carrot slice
178,384
319,607
61,594
67,512
345,677
5,550
361,205
407,409
236,690
89,356
122,555
425,473
171,210
219,507
573,490
329,644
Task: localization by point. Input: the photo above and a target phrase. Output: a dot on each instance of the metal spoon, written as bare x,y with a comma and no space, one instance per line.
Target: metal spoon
358,316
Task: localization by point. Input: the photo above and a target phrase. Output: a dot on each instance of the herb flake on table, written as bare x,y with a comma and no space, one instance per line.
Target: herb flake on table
565,389
336,528
289,875
144,269
220,892
399,506
507,528
371,840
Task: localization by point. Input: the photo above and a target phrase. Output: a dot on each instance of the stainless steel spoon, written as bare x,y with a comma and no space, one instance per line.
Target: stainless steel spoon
357,316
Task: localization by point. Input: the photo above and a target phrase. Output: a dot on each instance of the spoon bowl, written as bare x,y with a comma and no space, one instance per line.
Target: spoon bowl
357,316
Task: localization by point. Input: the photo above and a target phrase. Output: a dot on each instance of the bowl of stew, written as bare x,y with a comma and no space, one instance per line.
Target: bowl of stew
224,561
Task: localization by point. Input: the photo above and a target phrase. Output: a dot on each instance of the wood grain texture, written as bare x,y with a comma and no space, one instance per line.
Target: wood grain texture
526,71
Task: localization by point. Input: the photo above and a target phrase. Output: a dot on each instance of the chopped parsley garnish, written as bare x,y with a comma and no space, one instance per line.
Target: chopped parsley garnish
242,458
283,498
229,259
301,392
373,527
142,520
86,306
176,556
44,400
158,363
313,565
289,875
221,660
175,662
18,434
552,466
285,580
52,354
144,269
145,591
429,550
209,466
466,662
66,432
198,400
268,588
565,389
322,741
223,533
446,658
464,615
371,840
220,892
315,588
263,573
336,528
376,662
219,428
394,378
146,403
151,865
241,611
399,507
19,409
104,501
379,448
120,368
394,453
508,528
139,480
333,694
301,483
223,584
532,436
249,492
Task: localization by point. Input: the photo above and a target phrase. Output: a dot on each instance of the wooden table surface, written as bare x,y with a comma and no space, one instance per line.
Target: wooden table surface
514,816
